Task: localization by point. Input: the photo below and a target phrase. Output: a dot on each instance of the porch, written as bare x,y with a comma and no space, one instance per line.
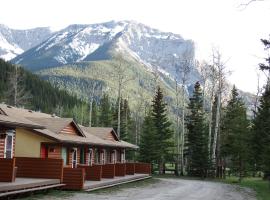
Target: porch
22,185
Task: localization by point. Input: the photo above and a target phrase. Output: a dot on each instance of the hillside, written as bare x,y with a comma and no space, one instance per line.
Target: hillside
44,96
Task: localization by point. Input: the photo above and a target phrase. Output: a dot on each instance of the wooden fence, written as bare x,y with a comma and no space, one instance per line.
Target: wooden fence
7,170
92,173
74,178
108,171
143,168
39,168
130,168
120,169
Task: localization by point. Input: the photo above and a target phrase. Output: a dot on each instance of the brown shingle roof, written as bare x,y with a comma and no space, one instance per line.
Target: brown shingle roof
50,126
101,132
14,121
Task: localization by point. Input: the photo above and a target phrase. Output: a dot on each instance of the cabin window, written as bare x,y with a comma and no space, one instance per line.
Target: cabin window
123,156
90,157
74,158
97,159
82,156
64,155
9,145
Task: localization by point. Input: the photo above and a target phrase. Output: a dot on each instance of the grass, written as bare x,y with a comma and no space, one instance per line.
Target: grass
142,183
261,187
60,194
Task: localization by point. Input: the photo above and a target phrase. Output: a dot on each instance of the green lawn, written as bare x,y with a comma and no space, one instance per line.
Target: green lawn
261,187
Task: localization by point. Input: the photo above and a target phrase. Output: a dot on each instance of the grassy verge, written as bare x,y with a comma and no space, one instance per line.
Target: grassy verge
61,194
118,188
261,187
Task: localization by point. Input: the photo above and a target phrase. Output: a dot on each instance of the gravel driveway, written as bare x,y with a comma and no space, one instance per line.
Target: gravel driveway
173,189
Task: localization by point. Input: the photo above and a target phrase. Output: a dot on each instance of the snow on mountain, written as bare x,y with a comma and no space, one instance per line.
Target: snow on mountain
15,42
156,50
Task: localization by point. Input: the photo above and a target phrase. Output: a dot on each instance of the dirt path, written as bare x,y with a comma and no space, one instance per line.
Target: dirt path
173,189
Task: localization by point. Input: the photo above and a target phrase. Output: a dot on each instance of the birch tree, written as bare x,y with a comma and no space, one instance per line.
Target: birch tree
120,73
17,93
183,72
220,67
93,87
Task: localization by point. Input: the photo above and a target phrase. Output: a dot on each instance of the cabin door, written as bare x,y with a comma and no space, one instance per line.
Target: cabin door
74,158
64,155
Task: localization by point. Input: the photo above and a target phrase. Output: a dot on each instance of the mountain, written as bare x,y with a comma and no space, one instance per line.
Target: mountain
14,42
67,57
153,48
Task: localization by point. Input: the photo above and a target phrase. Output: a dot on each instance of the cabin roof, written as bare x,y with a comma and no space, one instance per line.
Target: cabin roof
50,126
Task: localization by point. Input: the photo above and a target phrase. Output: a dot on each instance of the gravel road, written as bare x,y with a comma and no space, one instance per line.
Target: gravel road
173,189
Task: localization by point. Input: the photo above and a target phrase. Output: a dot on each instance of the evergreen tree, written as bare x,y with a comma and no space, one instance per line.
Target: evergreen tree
148,151
163,125
95,119
197,136
235,135
261,134
105,117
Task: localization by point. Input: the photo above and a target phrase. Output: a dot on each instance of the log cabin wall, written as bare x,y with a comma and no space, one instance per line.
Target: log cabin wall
108,171
143,168
92,173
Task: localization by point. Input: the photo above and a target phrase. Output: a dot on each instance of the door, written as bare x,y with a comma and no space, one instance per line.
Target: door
64,155
44,151
74,158
90,158
8,153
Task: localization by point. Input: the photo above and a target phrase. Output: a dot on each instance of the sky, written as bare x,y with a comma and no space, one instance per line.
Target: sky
224,24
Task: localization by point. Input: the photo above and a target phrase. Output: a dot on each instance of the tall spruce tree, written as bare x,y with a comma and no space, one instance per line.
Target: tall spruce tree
105,111
197,136
261,134
161,123
235,135
149,151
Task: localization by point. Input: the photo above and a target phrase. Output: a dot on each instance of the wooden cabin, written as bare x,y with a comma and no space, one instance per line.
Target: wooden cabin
63,138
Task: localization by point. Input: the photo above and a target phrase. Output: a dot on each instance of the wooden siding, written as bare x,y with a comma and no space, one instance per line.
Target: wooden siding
54,151
108,171
143,168
7,170
111,136
130,168
92,173
120,169
74,178
71,130
39,168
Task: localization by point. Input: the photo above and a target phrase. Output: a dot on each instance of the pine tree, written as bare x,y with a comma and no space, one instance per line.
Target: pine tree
163,125
197,136
95,119
261,134
235,135
105,117
148,151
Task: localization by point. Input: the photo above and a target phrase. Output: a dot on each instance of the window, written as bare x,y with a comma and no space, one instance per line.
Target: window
97,159
9,145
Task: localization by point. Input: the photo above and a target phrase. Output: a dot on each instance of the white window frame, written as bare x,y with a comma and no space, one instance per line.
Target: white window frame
9,133
113,156
90,157
74,150
102,157
123,156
